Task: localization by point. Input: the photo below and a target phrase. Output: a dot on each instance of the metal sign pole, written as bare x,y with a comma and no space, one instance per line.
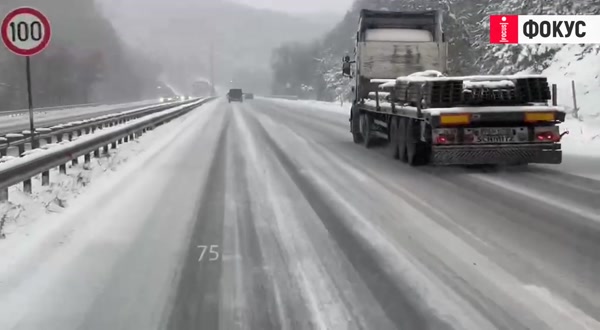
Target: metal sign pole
30,101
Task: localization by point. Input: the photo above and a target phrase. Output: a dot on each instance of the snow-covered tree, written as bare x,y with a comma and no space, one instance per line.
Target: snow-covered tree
466,26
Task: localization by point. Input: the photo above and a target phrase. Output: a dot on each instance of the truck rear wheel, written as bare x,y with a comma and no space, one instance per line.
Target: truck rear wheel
416,150
366,126
393,138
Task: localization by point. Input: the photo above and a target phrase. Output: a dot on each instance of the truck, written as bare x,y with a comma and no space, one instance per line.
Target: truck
404,99
235,95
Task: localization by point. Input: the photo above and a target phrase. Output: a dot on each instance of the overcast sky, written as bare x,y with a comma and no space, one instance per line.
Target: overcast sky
302,6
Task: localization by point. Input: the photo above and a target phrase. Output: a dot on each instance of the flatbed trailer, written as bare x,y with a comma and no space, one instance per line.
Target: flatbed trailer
510,135
426,117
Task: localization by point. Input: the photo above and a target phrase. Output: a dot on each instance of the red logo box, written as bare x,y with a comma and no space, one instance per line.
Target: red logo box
504,29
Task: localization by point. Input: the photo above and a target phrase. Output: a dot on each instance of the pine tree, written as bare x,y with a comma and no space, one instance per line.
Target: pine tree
466,25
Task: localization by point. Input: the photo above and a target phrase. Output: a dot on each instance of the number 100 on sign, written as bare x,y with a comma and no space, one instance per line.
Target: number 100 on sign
26,31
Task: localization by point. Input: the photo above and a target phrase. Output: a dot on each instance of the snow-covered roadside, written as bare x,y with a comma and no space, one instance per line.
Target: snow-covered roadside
583,138
75,110
66,113
568,65
23,210
12,161
314,105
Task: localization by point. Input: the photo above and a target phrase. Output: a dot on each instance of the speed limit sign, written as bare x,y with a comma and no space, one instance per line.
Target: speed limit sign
26,31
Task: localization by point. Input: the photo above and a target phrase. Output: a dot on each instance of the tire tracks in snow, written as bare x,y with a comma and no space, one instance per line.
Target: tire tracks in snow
399,303
196,304
480,300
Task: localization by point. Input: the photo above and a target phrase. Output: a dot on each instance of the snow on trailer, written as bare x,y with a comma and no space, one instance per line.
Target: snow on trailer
428,89
384,106
508,129
469,84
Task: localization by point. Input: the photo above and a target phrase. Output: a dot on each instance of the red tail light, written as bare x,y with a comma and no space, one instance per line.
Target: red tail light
444,135
445,139
547,137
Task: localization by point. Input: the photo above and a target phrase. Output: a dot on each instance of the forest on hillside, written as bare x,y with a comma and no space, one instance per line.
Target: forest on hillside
86,61
181,34
313,70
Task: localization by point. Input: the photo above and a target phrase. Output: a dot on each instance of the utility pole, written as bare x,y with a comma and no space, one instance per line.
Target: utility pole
212,68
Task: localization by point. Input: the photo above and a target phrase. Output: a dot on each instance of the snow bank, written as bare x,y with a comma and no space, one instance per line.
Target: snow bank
23,210
81,139
328,106
9,121
583,138
568,65
316,105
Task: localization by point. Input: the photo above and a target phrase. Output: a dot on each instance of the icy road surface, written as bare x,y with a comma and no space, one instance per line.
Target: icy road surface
264,216
49,118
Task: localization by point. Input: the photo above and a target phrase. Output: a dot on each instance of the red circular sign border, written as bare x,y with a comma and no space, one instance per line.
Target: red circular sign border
26,52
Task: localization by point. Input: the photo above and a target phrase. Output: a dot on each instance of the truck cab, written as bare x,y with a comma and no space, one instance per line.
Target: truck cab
394,44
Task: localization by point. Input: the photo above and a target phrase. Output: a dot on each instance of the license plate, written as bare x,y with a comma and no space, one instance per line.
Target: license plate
496,139
496,134
493,131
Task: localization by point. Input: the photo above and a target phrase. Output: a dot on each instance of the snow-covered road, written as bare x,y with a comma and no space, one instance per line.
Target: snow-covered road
263,215
43,118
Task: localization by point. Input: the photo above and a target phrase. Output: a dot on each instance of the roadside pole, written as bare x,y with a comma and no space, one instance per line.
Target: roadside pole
26,32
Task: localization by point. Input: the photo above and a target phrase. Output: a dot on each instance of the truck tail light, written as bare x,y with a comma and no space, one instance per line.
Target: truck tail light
547,134
444,136
547,137
443,139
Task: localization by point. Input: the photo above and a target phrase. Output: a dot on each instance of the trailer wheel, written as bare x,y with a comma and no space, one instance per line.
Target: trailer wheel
416,150
366,126
393,138
401,135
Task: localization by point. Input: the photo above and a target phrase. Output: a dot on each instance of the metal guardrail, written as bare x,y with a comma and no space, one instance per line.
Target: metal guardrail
20,139
23,169
58,107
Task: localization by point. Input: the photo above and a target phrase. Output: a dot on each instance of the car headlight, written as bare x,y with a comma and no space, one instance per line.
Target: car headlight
162,99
